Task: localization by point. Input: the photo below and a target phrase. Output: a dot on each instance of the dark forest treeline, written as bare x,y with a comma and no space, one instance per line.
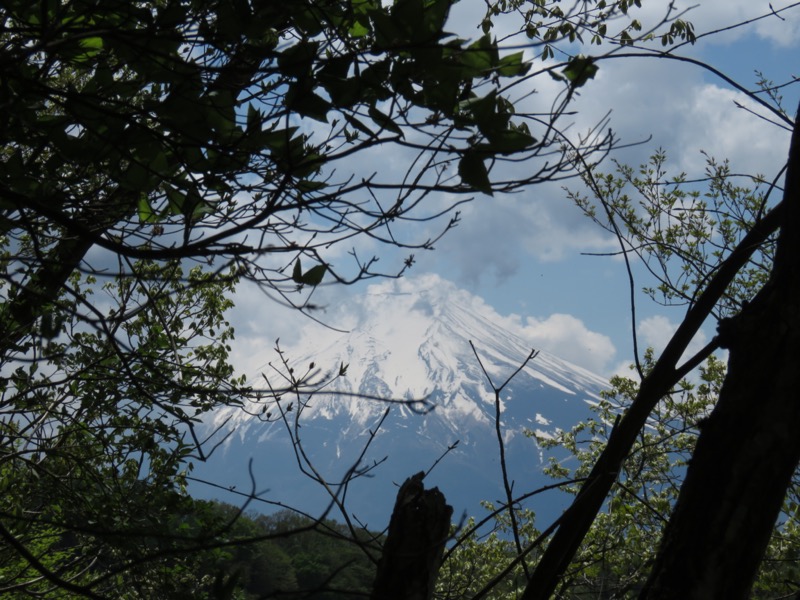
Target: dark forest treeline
313,559
211,550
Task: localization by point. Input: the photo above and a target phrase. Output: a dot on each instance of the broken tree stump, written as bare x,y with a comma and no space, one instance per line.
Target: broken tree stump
412,554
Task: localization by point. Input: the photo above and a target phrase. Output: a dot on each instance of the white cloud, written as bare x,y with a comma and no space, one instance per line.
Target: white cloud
497,236
568,337
624,368
259,320
714,123
670,101
656,332
711,15
683,114
562,335
259,323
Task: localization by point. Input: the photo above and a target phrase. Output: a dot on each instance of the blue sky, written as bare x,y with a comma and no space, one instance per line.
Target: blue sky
523,254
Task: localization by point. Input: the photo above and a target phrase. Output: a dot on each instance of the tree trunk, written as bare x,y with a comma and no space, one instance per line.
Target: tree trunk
750,445
412,554
578,518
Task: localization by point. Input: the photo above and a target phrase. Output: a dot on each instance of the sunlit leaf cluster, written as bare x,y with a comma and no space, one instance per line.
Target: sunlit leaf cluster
590,23
99,429
683,229
617,554
477,561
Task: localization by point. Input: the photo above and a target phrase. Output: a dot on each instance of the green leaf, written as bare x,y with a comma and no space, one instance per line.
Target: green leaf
297,60
480,108
507,142
421,20
254,118
358,29
473,173
384,121
314,275
307,103
311,277
92,43
91,47
146,212
513,65
297,272
176,200
278,140
480,57
387,33
364,7
344,93
485,115
307,185
343,90
579,70
358,125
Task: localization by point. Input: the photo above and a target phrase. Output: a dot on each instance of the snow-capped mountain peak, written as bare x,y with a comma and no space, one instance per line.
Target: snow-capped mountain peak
410,339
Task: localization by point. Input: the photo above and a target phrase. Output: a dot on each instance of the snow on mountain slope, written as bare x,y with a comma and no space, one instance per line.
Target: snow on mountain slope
410,339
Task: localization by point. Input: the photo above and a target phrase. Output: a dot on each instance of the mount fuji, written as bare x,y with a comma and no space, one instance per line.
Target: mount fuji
407,339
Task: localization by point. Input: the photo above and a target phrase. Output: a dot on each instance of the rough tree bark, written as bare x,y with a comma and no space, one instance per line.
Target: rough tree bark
749,447
412,554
